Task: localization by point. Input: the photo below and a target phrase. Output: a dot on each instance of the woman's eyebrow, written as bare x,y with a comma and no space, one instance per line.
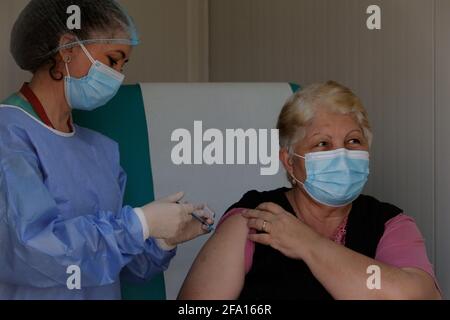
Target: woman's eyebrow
318,134
354,130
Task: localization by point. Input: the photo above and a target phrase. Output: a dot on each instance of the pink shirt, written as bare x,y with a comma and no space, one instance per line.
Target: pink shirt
401,245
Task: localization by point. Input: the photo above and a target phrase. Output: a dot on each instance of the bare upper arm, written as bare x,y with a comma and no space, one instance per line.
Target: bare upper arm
218,272
428,288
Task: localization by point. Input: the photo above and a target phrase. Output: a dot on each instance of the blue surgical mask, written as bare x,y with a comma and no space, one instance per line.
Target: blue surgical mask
335,178
94,90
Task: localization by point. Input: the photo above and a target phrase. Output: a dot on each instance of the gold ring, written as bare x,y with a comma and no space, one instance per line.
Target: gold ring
264,226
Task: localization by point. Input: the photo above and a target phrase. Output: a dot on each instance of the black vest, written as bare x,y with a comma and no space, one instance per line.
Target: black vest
275,276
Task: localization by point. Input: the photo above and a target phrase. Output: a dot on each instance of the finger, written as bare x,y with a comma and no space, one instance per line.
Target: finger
173,198
207,229
203,220
260,225
209,221
187,208
256,224
200,228
211,214
203,214
262,238
270,207
258,214
206,215
199,207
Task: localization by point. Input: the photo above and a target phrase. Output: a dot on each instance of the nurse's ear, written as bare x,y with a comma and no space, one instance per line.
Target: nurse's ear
57,69
71,59
65,54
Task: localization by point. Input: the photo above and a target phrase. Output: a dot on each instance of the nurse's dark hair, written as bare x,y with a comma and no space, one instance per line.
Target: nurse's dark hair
38,30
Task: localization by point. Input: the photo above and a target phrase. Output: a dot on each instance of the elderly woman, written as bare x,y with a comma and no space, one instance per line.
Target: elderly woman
319,239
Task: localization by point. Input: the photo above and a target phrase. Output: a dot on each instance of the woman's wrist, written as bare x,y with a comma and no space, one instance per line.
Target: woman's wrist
315,247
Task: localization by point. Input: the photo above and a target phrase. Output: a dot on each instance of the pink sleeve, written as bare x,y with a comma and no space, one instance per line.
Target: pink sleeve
249,245
403,246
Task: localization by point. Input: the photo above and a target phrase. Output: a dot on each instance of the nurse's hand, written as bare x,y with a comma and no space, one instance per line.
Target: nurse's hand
171,221
191,229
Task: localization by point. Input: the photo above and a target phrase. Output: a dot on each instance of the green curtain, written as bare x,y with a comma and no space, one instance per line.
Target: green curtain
295,87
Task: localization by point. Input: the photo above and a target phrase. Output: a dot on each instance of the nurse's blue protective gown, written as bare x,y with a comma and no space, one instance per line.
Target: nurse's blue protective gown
60,206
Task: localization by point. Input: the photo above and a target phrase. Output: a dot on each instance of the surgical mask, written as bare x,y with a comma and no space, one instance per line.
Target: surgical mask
94,90
335,178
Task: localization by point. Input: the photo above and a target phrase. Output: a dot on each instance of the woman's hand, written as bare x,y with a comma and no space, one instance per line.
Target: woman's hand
281,230
342,271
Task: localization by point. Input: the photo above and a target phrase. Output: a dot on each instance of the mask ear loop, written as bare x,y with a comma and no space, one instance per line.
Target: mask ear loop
66,63
295,180
87,53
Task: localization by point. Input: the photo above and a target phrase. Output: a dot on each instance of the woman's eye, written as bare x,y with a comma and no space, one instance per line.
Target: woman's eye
354,141
322,144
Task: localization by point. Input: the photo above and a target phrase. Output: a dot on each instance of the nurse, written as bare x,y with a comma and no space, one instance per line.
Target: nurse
61,186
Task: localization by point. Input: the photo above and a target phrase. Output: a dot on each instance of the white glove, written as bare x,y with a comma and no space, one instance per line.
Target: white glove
168,220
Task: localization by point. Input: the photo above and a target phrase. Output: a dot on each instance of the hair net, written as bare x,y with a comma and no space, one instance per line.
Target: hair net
36,35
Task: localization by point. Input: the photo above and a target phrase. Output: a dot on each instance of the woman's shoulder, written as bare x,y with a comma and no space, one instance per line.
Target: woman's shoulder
370,201
370,204
254,198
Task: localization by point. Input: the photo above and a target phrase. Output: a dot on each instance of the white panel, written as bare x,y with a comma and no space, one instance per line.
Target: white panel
219,106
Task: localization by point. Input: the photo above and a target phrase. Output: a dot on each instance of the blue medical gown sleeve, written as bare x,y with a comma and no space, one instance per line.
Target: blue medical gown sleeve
153,261
147,265
37,245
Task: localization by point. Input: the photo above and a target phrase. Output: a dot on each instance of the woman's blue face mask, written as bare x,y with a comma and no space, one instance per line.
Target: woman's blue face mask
335,178
94,90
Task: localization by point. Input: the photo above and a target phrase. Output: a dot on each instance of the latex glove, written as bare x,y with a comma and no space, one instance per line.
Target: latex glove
193,228
171,221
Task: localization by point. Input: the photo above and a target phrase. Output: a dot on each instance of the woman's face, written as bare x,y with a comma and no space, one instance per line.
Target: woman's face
326,131
112,55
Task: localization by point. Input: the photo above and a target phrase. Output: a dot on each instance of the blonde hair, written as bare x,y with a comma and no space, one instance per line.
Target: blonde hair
301,108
